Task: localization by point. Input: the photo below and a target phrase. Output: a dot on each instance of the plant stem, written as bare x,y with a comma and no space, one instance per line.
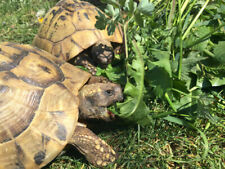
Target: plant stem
161,115
181,41
189,9
171,15
125,46
170,102
208,53
139,133
185,94
184,6
125,26
125,39
195,19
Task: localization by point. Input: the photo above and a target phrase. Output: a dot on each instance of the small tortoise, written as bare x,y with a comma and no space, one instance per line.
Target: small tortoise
69,29
39,100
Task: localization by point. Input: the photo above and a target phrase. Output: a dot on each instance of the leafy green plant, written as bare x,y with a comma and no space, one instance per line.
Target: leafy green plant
179,62
125,12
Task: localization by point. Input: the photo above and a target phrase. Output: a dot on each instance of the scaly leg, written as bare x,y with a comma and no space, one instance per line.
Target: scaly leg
84,60
96,151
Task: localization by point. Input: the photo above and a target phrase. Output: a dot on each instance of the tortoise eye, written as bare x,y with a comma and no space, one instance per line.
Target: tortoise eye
109,92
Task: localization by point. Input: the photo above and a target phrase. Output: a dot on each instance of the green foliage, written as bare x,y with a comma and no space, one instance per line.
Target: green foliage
220,52
159,72
134,108
182,45
123,12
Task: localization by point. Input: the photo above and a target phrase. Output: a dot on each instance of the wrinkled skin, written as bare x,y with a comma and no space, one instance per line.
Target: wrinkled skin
102,53
94,98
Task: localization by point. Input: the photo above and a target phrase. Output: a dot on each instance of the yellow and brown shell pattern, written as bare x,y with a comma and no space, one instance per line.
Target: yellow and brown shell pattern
69,28
38,105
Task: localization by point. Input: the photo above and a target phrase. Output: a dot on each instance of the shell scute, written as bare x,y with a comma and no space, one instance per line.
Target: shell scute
69,5
37,70
16,96
58,26
84,19
10,58
68,22
38,106
90,37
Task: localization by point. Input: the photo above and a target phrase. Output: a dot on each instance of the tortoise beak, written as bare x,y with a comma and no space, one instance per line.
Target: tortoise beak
118,90
104,114
108,116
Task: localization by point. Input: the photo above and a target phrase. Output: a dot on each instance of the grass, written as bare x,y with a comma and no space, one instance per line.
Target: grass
162,145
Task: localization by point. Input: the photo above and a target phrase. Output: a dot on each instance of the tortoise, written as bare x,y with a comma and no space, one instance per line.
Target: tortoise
68,31
40,96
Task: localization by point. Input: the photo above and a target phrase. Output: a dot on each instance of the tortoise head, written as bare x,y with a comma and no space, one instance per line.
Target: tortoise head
95,98
102,53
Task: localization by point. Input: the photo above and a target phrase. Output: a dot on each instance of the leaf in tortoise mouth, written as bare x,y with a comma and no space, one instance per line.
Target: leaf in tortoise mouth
134,108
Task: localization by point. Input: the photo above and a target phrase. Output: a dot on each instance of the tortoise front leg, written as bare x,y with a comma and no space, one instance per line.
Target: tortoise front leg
96,151
84,59
100,54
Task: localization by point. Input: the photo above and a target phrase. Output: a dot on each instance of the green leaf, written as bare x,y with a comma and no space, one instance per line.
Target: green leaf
111,2
101,21
122,2
163,60
215,75
175,120
159,79
199,32
114,73
131,90
134,108
112,11
159,74
222,9
138,115
111,28
146,7
180,85
130,6
190,65
218,81
139,19
220,52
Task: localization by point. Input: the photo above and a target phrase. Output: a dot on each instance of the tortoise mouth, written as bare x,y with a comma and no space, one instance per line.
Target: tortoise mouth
105,114
102,113
112,116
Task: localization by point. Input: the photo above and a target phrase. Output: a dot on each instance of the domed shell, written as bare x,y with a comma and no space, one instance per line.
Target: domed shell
38,105
69,28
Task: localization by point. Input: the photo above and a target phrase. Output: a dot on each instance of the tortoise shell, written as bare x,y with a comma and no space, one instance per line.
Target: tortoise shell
69,28
38,105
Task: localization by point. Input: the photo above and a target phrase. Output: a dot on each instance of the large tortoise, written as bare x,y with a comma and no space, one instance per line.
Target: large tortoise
39,100
69,29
